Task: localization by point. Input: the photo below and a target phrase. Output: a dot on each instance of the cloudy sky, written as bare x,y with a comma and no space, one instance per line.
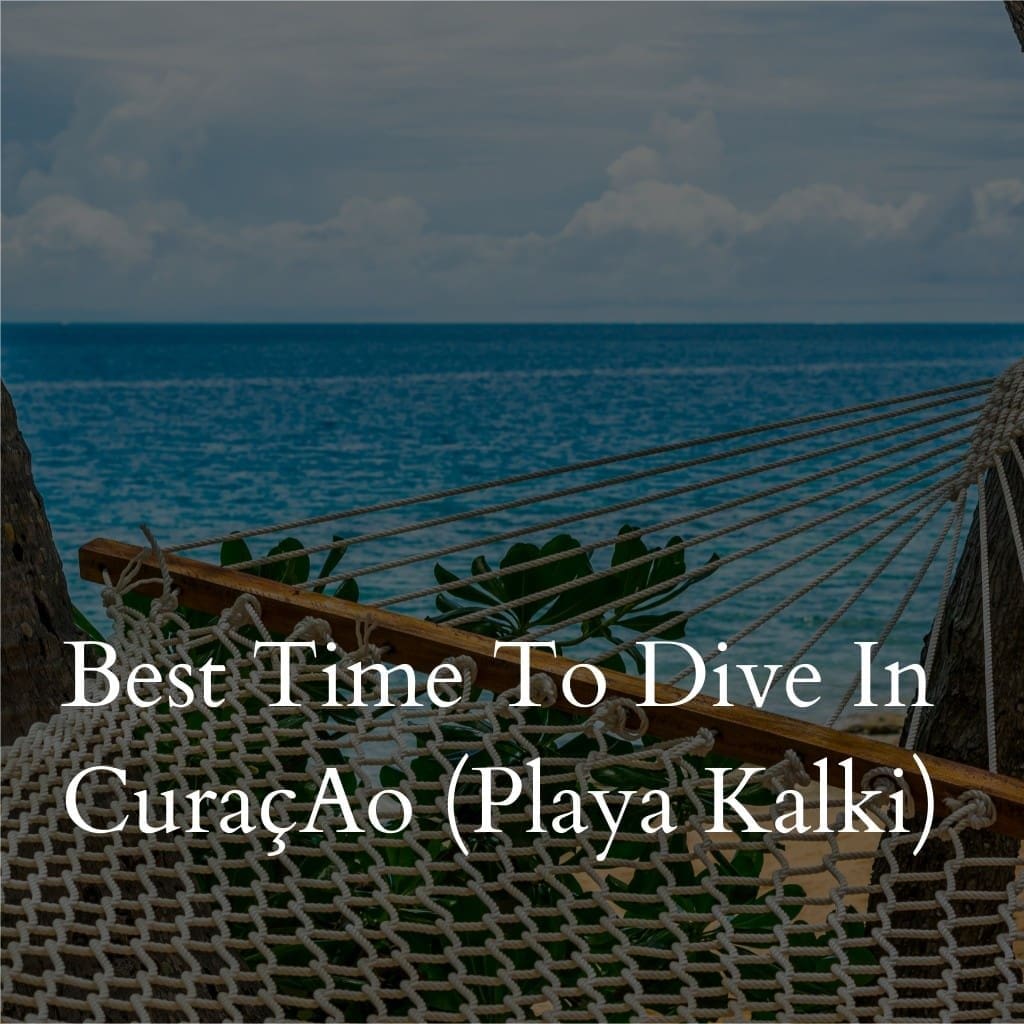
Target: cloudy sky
508,162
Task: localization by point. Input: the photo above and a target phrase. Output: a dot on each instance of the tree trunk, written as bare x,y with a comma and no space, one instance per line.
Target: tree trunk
35,615
1015,9
955,728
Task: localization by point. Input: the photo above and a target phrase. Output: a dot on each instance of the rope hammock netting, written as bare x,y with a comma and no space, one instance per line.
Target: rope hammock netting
797,536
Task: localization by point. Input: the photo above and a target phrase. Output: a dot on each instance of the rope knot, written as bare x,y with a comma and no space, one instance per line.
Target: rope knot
543,689
245,611
467,671
364,646
789,773
158,554
999,424
616,716
971,808
466,666
884,781
700,744
364,630
165,604
310,628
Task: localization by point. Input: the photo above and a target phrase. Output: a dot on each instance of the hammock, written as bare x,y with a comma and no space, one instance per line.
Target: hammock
792,530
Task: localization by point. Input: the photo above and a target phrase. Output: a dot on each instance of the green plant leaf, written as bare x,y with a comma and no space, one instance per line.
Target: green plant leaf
292,570
471,594
654,625
234,551
83,623
348,590
334,556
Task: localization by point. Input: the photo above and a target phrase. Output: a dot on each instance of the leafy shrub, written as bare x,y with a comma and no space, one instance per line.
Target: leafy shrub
582,589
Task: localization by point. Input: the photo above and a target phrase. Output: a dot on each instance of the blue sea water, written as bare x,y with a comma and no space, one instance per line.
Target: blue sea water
202,429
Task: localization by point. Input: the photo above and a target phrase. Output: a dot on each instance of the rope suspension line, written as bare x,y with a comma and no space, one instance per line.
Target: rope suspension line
940,610
931,509
577,517
898,611
915,500
959,392
661,586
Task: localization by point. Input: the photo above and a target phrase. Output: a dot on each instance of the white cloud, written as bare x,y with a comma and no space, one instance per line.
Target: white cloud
680,149
395,219
645,249
493,161
692,147
999,208
62,225
685,212
641,163
696,217
818,206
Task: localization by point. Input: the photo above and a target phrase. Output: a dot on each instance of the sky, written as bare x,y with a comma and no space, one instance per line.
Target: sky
472,162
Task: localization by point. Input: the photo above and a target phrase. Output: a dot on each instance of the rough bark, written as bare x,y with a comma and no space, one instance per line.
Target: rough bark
1015,9
35,614
955,727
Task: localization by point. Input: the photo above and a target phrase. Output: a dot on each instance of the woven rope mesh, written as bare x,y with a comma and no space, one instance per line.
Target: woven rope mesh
533,921
357,926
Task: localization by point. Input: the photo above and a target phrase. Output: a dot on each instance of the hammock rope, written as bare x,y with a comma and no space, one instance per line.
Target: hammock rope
918,504
986,628
932,507
822,519
960,393
639,475
940,610
686,923
627,535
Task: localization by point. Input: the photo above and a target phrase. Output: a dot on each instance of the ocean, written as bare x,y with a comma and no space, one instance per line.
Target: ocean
200,429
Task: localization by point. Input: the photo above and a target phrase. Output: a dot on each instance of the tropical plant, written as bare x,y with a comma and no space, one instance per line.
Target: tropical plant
574,589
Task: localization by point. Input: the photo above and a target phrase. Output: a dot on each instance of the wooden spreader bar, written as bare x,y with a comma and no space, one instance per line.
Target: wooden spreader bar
758,737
